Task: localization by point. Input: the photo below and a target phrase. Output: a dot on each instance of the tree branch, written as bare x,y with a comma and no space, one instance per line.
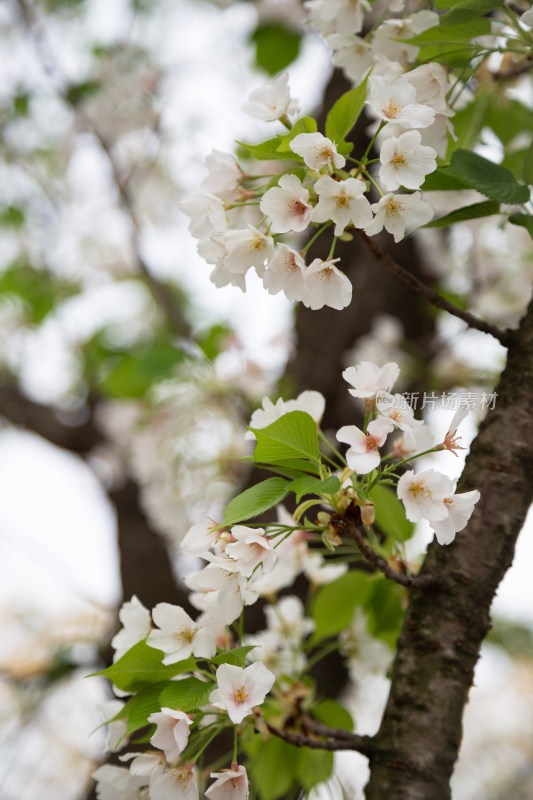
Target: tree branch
363,744
431,295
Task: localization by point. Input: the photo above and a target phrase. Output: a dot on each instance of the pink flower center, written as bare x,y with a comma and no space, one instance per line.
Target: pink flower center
240,695
297,208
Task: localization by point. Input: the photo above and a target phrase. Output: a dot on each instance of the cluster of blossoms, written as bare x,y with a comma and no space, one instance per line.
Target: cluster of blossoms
245,561
328,187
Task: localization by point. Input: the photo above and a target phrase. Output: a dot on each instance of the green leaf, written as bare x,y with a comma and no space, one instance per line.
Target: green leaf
469,9
77,92
131,374
39,291
273,768
528,166
474,211
490,179
276,46
266,151
385,610
441,180
256,500
313,767
139,707
302,125
390,514
189,694
345,112
335,603
331,713
452,34
525,220
292,436
12,217
309,485
141,665
278,148
469,122
234,656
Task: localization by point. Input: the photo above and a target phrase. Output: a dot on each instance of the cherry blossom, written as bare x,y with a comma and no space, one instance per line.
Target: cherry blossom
396,102
363,454
319,572
206,214
224,174
397,410
271,101
326,285
117,783
352,54
423,495
179,636
250,549
317,151
287,618
175,784
135,619
220,591
247,247
239,690
367,379
385,39
344,16
200,538
310,401
460,508
398,212
286,205
343,202
231,784
406,162
172,732
285,272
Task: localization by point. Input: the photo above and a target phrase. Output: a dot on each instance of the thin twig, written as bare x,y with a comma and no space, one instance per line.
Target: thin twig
363,744
320,729
432,296
158,290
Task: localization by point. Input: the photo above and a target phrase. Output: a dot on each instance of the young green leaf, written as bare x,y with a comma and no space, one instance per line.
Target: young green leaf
390,514
234,656
490,179
331,713
469,9
308,485
302,125
525,220
292,436
276,45
139,707
474,211
187,695
256,500
345,112
335,603
141,665
314,767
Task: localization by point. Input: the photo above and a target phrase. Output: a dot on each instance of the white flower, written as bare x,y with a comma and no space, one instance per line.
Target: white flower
247,247
414,440
368,379
287,619
317,151
432,83
239,690
145,764
344,16
343,202
214,251
285,273
271,101
287,206
527,18
397,410
200,538
396,212
116,729
423,495
117,783
231,784
460,508
385,39
352,54
450,441
175,784
396,102
318,572
309,400
172,732
179,636
251,549
220,590
206,212
363,455
136,621
406,162
224,174
326,285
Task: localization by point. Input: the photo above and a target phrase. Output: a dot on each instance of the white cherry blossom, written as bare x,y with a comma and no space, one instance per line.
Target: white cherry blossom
148,764
250,549
230,784
220,591
310,401
396,102
117,783
405,161
399,212
414,440
317,151
343,202
247,247
363,455
239,690
287,618
397,410
423,495
116,729
344,16
326,285
385,39
271,101
172,732
175,784
200,538
286,205
135,619
318,572
367,379
206,214
352,54
460,508
285,273
224,174
178,635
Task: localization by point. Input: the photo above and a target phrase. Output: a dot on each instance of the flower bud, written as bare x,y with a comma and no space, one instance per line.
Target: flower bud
368,514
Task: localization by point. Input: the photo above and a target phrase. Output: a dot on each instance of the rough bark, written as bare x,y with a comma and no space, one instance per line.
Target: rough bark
445,624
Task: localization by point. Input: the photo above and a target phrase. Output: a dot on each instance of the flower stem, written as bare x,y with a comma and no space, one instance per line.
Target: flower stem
322,228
